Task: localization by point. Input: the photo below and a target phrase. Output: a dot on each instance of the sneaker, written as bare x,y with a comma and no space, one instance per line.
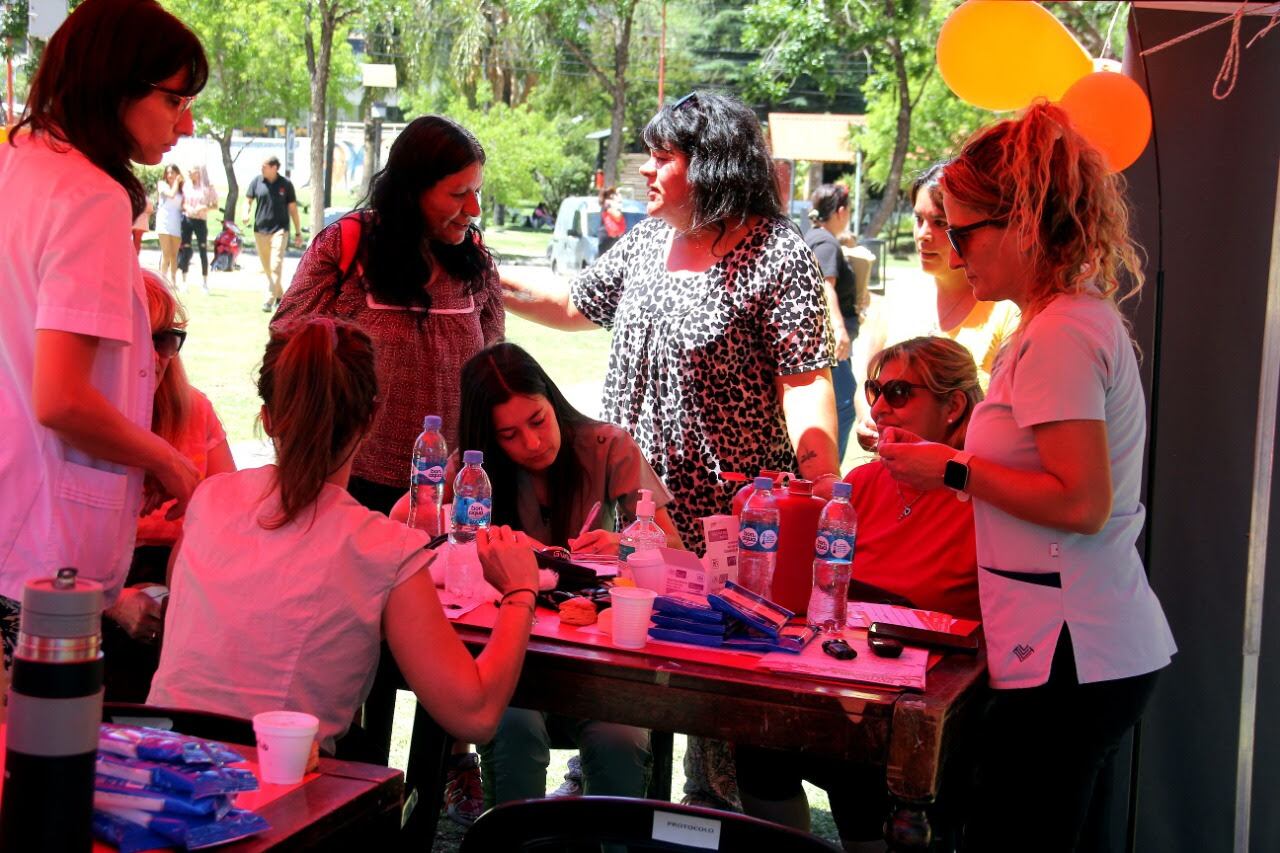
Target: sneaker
270,305
463,794
572,784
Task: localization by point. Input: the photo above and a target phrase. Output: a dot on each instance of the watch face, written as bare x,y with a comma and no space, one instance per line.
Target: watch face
955,475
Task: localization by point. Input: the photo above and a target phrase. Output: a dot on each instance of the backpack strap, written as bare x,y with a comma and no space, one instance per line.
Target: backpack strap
349,228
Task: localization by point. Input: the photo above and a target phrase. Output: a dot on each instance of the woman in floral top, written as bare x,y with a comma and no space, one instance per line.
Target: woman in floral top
412,272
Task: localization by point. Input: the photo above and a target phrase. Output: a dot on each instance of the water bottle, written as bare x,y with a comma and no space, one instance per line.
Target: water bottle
643,534
833,561
426,478
55,708
472,507
758,538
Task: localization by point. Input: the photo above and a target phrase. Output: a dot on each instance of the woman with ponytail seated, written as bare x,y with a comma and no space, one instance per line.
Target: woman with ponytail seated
283,586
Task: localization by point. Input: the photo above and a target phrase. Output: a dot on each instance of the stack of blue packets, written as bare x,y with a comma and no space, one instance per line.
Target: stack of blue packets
734,618
159,789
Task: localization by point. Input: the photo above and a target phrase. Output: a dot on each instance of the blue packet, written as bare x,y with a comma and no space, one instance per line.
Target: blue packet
664,620
195,833
159,745
677,636
109,791
757,611
125,836
685,606
191,781
792,637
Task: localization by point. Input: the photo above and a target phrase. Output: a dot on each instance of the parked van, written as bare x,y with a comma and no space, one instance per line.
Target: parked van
575,240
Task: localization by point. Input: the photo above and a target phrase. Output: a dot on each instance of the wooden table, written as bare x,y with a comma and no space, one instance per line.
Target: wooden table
910,735
344,805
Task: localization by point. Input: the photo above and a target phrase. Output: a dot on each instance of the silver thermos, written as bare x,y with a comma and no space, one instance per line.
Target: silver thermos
55,708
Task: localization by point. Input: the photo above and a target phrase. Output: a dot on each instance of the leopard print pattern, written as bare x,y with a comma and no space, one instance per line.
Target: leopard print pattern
695,356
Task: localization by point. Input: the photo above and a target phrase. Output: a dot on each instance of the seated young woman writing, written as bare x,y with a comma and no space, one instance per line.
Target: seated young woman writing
283,586
549,464
913,545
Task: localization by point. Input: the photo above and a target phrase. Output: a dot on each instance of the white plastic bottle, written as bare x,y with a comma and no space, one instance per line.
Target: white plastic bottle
643,534
426,478
758,539
833,561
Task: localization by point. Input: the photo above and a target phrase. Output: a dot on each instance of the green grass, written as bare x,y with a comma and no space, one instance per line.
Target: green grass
226,335
512,242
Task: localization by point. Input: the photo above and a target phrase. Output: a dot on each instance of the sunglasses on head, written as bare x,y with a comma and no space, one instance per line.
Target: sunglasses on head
957,236
896,392
168,342
692,96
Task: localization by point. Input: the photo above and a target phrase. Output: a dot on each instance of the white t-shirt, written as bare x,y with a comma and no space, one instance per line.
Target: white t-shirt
67,263
285,619
1074,361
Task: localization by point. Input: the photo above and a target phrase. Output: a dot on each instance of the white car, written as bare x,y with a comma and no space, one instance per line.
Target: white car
575,240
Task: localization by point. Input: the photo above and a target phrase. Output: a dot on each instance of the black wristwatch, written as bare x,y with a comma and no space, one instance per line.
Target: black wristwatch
956,475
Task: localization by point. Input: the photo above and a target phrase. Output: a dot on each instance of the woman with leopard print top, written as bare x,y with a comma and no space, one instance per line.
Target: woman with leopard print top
722,352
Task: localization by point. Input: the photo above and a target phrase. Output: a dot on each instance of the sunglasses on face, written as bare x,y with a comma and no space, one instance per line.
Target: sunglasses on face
168,343
896,392
184,101
956,236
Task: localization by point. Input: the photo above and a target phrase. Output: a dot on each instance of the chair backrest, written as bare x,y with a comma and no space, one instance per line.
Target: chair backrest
641,825
203,724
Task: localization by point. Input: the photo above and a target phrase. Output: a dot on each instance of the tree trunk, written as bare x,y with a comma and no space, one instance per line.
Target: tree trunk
229,166
889,204
318,60
621,59
331,131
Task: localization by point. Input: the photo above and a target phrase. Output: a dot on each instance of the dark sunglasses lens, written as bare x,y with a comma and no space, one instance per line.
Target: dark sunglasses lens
954,240
897,392
167,343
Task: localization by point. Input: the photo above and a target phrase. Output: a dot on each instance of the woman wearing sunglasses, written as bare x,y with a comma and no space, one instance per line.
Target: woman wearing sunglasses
941,304
183,417
914,547
76,368
1053,462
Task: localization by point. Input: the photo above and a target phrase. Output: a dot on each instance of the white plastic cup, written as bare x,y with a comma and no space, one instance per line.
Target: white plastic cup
632,606
649,570
284,745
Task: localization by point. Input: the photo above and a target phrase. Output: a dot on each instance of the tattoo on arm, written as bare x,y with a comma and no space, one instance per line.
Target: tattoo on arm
807,456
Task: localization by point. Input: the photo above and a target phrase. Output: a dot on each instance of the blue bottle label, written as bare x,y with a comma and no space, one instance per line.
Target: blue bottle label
758,536
834,547
428,473
471,512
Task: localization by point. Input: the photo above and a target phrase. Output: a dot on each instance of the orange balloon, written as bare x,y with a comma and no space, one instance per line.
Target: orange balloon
1112,112
1001,55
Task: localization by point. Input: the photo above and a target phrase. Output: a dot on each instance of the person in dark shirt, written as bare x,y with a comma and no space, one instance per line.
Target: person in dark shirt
830,218
277,204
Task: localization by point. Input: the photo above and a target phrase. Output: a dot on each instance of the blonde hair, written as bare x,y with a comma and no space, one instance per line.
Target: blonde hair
944,367
1053,189
173,392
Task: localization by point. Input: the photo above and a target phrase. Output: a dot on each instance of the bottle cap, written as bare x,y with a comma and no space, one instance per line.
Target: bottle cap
64,606
841,489
473,457
762,483
431,422
645,506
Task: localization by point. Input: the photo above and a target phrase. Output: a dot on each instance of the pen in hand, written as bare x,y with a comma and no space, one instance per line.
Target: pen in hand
591,519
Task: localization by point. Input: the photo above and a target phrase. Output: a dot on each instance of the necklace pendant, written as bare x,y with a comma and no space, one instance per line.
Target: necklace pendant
906,510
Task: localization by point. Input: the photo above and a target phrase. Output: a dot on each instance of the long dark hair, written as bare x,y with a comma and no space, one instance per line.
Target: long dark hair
320,390
106,53
492,377
730,174
396,257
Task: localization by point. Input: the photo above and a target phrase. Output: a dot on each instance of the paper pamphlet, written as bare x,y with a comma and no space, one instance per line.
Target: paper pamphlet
907,671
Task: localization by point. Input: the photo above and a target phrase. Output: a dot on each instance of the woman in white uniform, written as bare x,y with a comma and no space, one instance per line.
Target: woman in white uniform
77,369
1053,461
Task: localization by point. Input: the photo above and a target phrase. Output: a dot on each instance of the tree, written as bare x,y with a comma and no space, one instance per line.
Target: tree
321,20
597,34
250,76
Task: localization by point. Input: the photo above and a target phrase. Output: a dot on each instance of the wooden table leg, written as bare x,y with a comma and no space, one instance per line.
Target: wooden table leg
424,781
660,746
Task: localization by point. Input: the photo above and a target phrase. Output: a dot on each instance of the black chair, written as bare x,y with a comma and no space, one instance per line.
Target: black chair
203,724
638,825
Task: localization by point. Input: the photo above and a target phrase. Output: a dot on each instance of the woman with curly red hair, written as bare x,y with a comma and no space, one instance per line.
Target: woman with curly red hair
1053,462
